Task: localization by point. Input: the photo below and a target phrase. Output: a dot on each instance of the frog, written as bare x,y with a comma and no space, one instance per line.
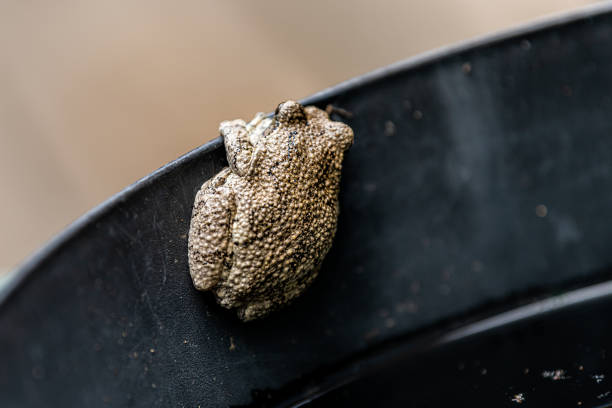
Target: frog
262,226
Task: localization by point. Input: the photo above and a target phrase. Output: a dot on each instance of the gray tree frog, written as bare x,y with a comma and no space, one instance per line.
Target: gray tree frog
261,227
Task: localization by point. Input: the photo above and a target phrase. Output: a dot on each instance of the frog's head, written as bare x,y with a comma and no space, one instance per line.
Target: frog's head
290,113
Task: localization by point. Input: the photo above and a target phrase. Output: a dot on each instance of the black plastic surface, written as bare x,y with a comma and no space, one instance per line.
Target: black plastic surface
453,153
548,360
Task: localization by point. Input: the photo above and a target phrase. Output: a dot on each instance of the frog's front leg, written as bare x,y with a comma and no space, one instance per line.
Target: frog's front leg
209,235
240,140
238,148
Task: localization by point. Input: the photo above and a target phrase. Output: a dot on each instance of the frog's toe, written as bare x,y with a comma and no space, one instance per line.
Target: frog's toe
255,310
225,296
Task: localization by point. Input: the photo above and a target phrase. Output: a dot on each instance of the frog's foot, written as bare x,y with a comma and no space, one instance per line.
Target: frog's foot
256,128
331,109
255,310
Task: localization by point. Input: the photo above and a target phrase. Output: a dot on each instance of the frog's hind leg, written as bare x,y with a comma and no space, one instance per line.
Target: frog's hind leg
268,302
209,233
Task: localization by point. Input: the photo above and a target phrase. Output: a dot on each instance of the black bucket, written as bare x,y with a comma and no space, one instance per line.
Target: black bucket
470,266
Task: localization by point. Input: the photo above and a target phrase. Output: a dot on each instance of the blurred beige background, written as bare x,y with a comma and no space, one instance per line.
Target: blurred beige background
95,95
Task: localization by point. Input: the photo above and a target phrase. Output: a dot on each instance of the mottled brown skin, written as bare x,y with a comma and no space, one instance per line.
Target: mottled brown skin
261,227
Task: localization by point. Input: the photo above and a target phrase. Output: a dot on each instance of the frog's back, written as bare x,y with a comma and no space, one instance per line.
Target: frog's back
284,226
280,209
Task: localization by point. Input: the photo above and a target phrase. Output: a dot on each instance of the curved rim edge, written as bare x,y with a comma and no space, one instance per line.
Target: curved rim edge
18,275
436,54
434,338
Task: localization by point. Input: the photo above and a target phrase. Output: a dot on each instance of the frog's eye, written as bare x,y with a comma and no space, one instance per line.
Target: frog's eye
290,112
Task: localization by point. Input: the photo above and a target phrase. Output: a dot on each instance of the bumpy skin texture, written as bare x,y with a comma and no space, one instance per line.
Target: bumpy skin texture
261,227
